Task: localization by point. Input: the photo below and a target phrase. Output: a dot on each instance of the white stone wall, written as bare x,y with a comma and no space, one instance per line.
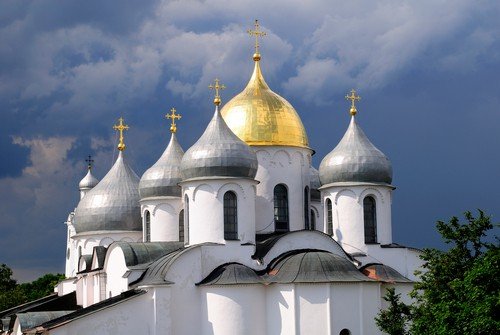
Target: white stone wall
348,214
206,209
233,309
289,166
164,213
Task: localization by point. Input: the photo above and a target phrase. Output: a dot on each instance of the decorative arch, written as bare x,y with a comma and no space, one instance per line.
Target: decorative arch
373,192
231,187
168,208
346,192
105,242
263,155
127,239
88,242
286,157
315,211
204,187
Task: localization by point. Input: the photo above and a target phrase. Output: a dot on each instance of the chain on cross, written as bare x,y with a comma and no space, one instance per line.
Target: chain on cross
257,33
120,127
217,86
173,117
353,97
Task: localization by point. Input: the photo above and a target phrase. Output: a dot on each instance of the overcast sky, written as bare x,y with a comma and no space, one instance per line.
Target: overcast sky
428,73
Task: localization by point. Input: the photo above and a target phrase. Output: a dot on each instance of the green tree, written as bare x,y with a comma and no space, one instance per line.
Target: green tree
459,290
394,320
13,294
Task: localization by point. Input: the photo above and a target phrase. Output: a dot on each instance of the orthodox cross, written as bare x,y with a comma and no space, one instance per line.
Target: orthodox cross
217,87
353,97
257,33
89,161
121,127
173,116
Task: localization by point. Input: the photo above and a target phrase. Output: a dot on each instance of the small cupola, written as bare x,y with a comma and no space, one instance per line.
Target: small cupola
355,158
163,177
89,181
219,152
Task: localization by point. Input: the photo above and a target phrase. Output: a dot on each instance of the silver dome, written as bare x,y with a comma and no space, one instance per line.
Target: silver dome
219,153
355,159
88,182
163,177
113,204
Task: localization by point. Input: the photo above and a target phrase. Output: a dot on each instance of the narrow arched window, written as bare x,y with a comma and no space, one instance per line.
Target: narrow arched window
79,254
186,220
329,217
306,208
313,220
147,226
370,217
281,208
230,216
181,226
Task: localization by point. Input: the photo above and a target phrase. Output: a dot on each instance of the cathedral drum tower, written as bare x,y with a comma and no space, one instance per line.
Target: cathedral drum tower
357,190
272,127
161,202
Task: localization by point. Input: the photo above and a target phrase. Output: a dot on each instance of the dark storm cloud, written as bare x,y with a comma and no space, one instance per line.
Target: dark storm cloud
69,69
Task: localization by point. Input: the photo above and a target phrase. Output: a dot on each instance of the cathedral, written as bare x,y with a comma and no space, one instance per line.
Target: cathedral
239,234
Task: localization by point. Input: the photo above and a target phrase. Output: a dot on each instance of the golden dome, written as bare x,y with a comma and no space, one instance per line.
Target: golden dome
259,116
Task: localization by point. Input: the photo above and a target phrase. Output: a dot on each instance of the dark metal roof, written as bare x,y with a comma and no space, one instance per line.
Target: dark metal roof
298,266
265,242
100,252
383,273
232,274
51,302
33,319
138,252
42,328
88,263
312,266
156,273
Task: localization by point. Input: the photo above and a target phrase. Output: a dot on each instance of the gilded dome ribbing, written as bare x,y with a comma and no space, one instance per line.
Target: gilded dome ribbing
259,116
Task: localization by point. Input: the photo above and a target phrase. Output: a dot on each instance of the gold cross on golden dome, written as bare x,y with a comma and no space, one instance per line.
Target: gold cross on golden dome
353,97
257,33
217,87
173,117
121,127
89,161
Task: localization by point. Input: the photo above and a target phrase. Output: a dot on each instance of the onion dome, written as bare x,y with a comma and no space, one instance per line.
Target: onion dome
163,177
88,182
113,204
259,116
219,153
355,158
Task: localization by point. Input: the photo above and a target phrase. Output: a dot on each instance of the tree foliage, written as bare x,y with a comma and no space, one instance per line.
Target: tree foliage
459,290
13,294
394,320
